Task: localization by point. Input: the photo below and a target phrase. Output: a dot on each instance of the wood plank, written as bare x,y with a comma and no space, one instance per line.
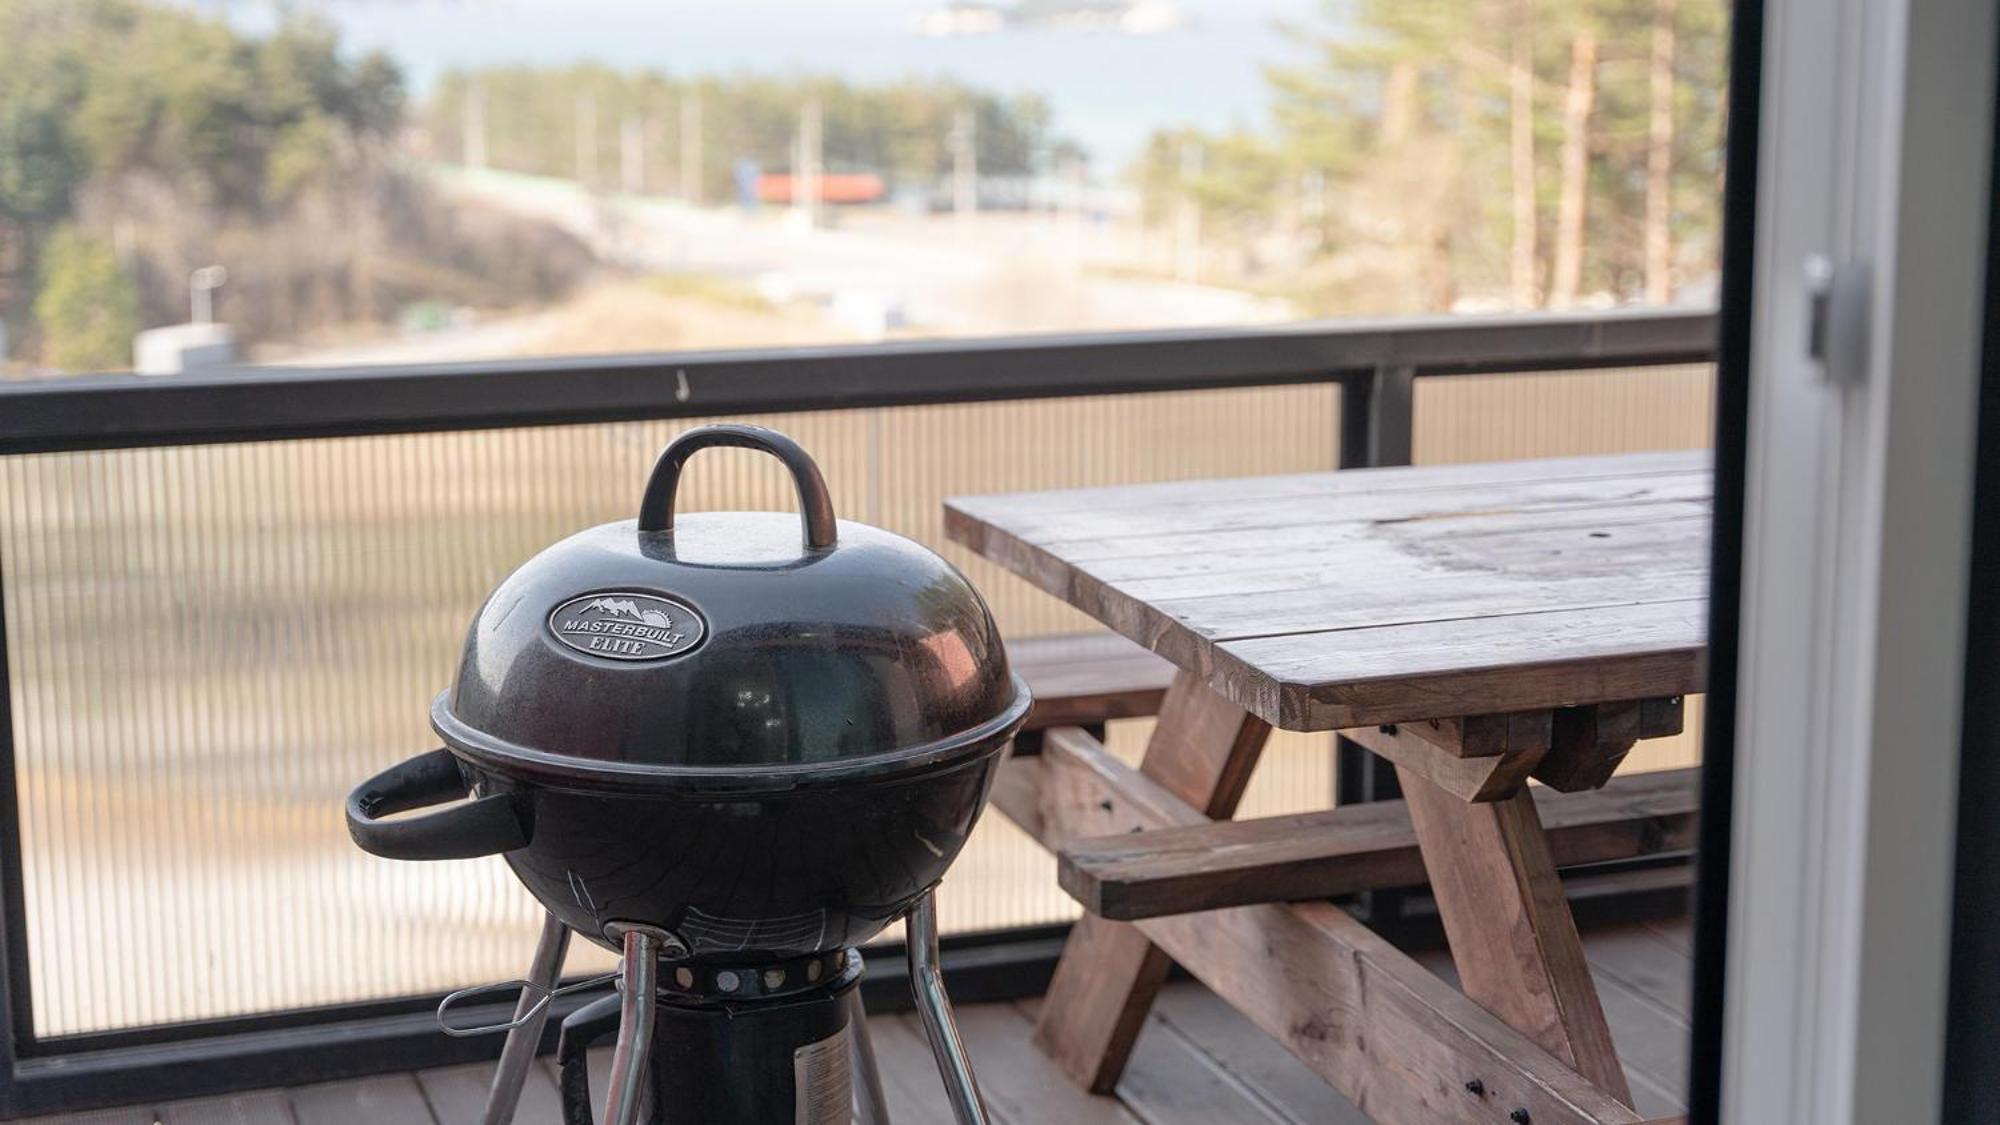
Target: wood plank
1662,718
1521,662
1006,505
1208,749
1287,564
1172,1082
1587,745
1512,936
1648,964
457,1094
124,1115
1291,561
1021,1084
1396,1040
1177,552
910,1079
1653,1050
1202,751
1144,551
261,1107
361,1101
1677,932
1333,852
1323,605
1491,778
1028,519
1253,1058
1085,678
1480,736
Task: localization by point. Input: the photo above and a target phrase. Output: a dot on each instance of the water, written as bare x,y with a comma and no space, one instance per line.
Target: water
1108,91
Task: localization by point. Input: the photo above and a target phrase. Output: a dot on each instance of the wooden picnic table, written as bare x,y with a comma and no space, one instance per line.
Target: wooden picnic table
1476,625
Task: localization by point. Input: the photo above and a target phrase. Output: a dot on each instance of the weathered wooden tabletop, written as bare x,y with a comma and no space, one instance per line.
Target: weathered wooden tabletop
1323,601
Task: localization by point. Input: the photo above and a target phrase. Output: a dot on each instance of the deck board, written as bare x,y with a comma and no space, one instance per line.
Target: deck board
362,1101
1647,963
1020,1083
457,1095
126,1115
1170,1081
262,1107
1255,1059
1652,1039
909,1078
1198,1062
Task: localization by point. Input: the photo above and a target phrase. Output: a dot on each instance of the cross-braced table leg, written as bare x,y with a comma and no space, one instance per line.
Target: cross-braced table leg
1203,751
1512,936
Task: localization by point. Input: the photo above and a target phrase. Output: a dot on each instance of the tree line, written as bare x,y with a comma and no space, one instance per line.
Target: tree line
687,135
1437,154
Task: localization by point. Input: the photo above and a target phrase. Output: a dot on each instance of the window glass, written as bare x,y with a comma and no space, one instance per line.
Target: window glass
369,181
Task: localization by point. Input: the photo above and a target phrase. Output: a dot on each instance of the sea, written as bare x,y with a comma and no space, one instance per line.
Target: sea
1109,90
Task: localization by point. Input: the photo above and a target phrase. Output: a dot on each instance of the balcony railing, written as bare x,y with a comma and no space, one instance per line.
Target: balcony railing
245,564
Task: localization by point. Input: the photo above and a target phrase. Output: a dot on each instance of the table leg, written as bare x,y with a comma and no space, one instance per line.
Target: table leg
1512,936
1203,751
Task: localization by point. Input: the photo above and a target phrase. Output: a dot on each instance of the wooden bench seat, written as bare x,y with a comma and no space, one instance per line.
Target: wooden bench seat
1087,679
1305,856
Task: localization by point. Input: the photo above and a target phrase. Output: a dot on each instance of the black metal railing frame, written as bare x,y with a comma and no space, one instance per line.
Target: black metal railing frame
1376,364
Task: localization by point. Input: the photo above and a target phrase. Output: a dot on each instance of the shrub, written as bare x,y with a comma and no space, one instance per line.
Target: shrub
87,308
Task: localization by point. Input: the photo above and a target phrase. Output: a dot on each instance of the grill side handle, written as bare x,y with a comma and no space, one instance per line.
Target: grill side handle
488,826
656,507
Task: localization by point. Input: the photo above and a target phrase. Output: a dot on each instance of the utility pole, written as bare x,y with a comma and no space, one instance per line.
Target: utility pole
691,146
631,156
586,139
964,165
806,165
472,144
1187,225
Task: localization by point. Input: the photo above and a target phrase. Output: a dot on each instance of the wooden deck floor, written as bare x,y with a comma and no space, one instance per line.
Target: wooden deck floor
1198,1063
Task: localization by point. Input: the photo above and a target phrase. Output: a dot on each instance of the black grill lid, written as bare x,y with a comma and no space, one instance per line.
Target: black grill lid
728,647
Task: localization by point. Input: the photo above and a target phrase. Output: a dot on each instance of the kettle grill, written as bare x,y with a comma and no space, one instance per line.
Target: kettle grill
731,747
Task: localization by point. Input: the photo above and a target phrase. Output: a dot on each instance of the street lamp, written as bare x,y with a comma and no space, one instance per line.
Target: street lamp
202,284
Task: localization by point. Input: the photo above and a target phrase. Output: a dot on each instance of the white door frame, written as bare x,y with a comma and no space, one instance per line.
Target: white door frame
1873,151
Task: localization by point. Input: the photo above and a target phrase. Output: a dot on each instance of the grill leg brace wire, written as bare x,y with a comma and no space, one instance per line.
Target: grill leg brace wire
505,1093
927,982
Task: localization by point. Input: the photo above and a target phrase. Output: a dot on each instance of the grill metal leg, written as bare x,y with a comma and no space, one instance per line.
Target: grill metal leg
505,1093
870,1106
635,1025
927,981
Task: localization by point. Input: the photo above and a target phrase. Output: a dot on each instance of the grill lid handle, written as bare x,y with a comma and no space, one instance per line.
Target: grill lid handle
656,509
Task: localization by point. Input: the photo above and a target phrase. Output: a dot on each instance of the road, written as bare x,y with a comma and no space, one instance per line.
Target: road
988,274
